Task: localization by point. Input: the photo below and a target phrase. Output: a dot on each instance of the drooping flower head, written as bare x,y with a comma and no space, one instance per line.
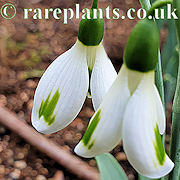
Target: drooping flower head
62,89
132,109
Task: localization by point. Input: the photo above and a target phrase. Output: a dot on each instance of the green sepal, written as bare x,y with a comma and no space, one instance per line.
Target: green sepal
141,52
91,31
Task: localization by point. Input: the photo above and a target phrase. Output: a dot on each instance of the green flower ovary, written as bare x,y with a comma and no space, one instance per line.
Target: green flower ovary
91,31
141,52
48,106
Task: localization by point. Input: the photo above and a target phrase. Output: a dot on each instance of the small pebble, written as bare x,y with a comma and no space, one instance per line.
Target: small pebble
28,178
7,171
131,177
34,173
121,156
20,155
40,177
92,162
66,148
20,164
15,174
3,100
1,148
2,130
43,171
10,161
30,104
2,170
31,84
6,138
8,153
40,161
24,97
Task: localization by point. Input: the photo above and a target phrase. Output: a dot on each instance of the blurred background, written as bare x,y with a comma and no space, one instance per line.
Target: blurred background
27,47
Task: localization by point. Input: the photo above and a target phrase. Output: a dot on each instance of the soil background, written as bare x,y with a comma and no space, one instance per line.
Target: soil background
27,47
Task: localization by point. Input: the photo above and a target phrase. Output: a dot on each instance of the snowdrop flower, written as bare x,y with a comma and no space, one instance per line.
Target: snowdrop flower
132,109
62,89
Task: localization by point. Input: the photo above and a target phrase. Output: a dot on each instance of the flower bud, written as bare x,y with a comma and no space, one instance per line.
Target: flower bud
141,52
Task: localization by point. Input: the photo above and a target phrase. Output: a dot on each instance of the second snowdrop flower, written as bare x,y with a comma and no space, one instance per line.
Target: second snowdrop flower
132,109
62,89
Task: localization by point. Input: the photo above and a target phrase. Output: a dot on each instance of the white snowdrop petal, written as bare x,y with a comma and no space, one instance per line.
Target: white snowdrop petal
102,77
161,119
61,91
141,139
104,130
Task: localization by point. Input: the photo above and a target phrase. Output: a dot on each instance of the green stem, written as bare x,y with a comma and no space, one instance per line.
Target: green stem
95,3
158,4
175,137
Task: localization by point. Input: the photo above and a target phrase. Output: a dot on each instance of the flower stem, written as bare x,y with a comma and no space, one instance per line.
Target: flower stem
95,3
158,4
175,137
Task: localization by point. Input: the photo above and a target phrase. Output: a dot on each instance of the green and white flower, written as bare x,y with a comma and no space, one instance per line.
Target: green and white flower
132,109
62,89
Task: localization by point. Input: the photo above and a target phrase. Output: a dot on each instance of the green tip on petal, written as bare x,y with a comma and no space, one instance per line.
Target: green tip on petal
47,108
141,52
87,136
159,148
91,31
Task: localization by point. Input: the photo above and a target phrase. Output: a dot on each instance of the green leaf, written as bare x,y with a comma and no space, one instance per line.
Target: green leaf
145,4
142,177
110,168
170,76
170,43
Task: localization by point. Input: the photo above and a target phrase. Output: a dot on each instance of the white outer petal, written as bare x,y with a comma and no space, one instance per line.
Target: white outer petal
139,122
107,133
160,111
69,73
103,75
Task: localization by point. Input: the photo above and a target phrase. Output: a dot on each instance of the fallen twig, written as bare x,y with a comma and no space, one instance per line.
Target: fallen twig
54,151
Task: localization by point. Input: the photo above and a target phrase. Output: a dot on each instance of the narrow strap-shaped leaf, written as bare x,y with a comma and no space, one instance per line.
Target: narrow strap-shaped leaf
110,168
145,4
175,137
170,76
